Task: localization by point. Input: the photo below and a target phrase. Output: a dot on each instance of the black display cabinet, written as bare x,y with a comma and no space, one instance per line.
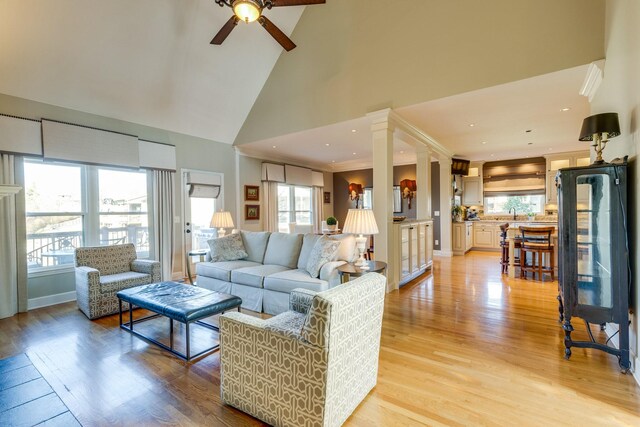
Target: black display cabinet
593,258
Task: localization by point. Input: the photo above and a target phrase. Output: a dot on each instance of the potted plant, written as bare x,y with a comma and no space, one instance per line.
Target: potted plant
456,213
331,223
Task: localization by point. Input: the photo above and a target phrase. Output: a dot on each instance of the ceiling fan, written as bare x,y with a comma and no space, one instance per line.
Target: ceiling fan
251,10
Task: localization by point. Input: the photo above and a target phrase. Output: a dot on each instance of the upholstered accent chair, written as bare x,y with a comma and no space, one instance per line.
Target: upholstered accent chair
311,365
102,271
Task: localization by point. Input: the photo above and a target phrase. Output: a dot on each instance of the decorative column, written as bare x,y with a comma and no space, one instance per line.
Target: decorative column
446,194
423,183
382,139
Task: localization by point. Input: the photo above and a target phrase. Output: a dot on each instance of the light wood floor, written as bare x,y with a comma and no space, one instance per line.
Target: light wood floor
466,346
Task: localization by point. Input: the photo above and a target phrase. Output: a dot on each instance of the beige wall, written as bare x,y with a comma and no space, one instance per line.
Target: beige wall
249,173
620,92
191,153
359,56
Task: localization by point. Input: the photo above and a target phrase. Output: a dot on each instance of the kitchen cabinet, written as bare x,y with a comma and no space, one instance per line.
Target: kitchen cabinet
483,236
462,237
415,248
558,161
472,191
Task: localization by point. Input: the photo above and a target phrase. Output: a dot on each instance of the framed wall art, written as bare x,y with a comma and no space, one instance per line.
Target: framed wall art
251,212
251,193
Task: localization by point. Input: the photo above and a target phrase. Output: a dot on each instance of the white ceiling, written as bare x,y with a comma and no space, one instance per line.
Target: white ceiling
500,114
143,61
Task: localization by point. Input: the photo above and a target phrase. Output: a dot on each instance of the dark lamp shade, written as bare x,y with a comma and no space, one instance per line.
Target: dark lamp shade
409,184
600,123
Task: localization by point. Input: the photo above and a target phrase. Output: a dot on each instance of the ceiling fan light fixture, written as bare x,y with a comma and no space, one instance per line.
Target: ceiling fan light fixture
247,10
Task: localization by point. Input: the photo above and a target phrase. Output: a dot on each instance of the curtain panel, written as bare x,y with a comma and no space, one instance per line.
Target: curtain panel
13,238
163,198
270,190
317,200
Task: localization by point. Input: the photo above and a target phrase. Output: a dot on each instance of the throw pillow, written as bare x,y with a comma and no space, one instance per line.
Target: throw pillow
323,251
348,250
227,248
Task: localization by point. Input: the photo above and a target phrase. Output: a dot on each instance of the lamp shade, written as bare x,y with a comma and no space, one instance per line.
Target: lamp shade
360,221
357,188
600,123
409,184
222,219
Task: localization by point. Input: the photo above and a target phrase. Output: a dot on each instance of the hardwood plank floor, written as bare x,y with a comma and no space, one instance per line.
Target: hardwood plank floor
464,346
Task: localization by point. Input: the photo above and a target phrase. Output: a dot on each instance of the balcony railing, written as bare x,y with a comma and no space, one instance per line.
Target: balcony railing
57,248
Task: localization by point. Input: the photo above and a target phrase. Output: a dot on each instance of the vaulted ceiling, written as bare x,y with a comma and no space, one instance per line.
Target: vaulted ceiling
142,61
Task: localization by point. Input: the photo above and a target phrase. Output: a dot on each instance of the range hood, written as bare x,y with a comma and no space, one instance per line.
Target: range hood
8,190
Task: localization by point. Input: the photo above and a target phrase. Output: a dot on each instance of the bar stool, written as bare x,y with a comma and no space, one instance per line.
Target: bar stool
537,241
504,246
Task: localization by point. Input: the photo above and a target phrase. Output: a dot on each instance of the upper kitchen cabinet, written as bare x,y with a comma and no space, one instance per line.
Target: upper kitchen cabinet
555,162
472,190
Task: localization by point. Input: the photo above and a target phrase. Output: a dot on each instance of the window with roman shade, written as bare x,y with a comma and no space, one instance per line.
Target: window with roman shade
519,177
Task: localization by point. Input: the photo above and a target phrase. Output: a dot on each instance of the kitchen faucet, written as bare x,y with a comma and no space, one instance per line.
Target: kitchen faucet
514,213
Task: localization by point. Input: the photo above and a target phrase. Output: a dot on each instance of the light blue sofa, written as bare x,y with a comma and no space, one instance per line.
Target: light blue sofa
275,265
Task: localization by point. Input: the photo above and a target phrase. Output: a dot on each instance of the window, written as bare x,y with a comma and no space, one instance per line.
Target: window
123,209
71,205
294,205
55,214
523,204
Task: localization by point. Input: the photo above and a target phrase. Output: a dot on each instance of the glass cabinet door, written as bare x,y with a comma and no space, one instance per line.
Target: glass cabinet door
593,220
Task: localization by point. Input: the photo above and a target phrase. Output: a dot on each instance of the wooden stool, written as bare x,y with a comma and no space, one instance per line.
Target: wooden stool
537,241
504,246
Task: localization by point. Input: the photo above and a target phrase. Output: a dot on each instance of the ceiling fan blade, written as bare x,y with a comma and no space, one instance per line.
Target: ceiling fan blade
277,34
225,30
280,3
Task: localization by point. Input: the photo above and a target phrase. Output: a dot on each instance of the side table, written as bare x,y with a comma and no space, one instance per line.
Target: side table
199,253
350,269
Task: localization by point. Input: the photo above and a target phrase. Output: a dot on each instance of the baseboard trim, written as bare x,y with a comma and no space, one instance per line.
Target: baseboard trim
448,254
48,300
437,252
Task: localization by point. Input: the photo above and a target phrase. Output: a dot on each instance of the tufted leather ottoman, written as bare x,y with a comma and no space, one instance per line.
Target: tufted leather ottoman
183,303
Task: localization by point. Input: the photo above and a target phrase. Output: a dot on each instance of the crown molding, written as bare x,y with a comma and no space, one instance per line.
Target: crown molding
593,79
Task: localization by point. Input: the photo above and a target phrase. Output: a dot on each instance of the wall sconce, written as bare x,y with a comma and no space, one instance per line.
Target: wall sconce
355,190
408,188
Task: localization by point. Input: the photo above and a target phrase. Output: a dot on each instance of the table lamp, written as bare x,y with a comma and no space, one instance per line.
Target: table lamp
599,128
222,220
360,222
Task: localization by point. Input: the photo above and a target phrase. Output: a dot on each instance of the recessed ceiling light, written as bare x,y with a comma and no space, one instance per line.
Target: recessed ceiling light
401,152
353,131
327,144
550,149
354,154
333,161
274,146
529,143
566,109
484,142
528,130
492,155
471,125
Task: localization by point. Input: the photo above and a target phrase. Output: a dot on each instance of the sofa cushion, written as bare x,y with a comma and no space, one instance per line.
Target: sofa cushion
221,270
348,250
227,248
254,276
283,249
255,243
287,281
308,240
323,251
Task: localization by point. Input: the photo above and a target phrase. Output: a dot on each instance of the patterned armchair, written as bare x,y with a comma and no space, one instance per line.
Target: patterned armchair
311,365
104,270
